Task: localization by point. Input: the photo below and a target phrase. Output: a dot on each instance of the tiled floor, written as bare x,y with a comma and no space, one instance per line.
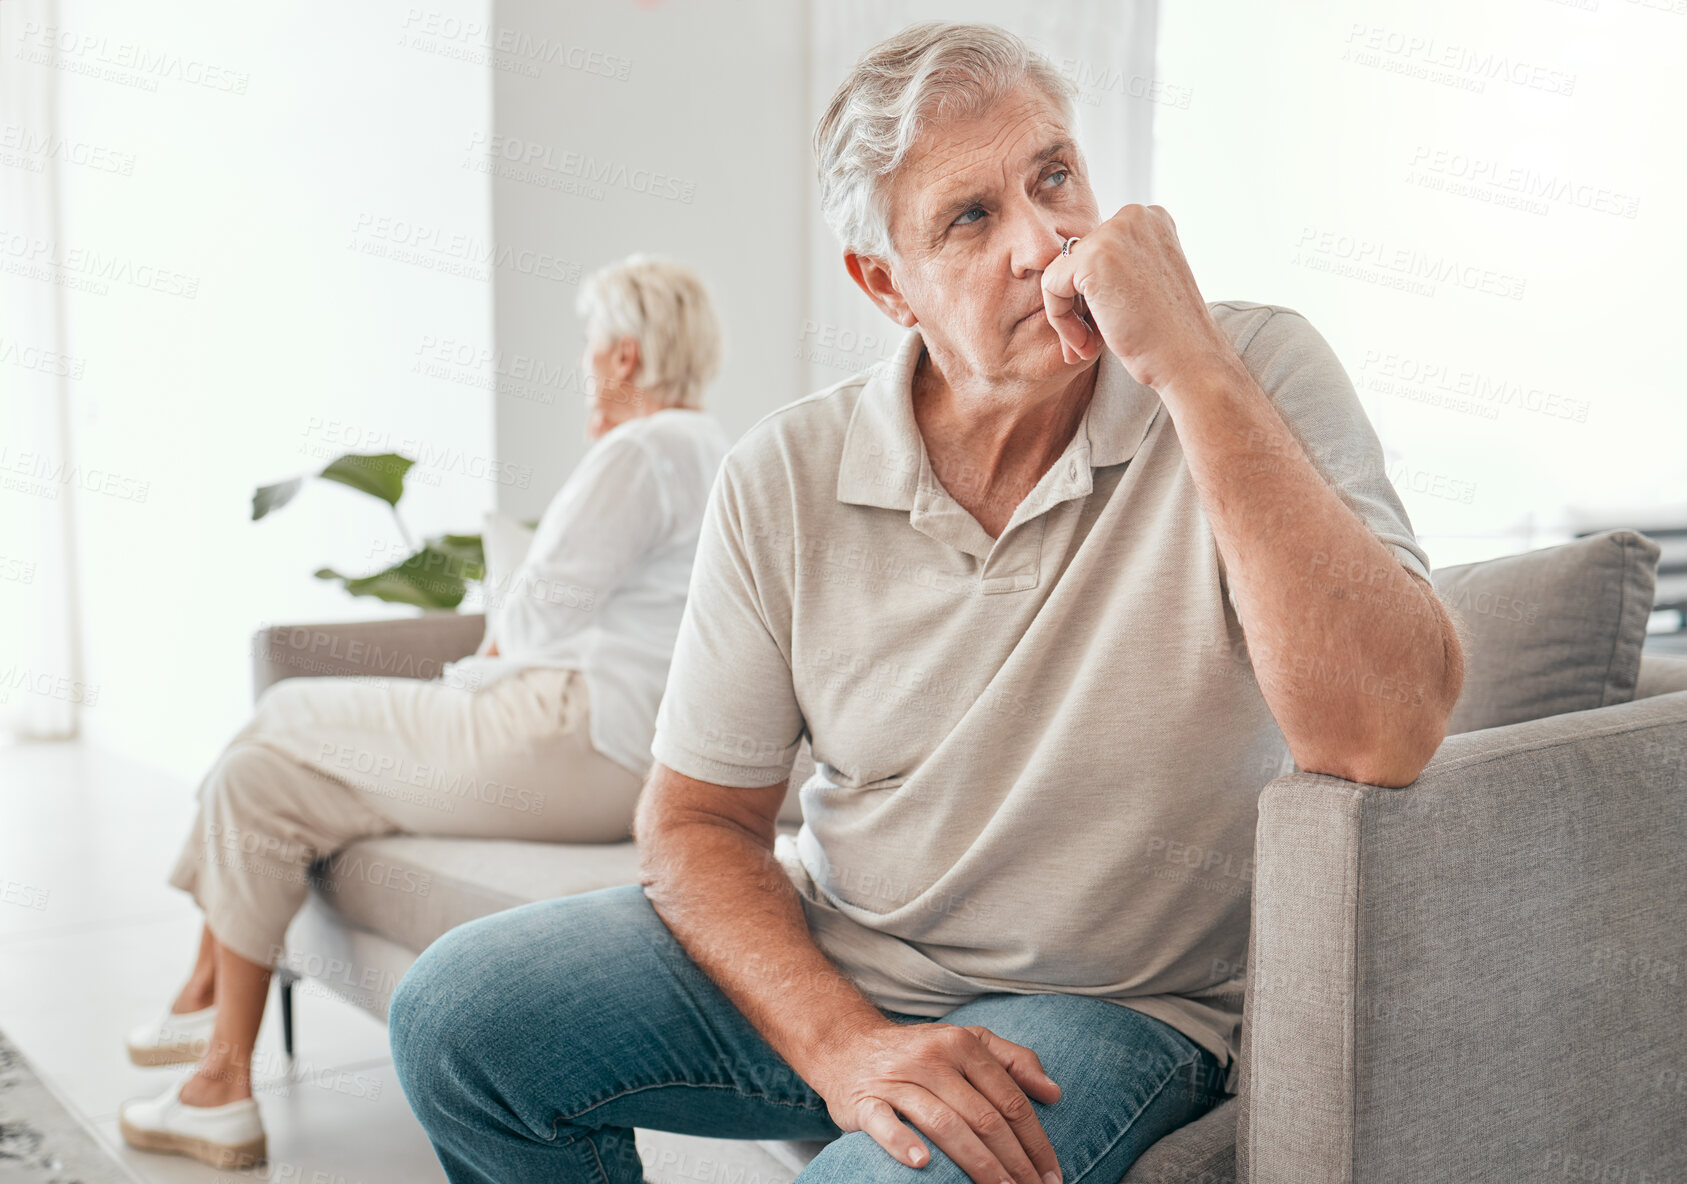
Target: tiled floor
92,942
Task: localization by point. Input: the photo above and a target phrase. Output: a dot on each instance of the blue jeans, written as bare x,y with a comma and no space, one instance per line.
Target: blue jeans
531,1042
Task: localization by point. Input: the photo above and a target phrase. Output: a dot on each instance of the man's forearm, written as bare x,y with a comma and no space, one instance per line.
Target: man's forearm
1359,673
729,903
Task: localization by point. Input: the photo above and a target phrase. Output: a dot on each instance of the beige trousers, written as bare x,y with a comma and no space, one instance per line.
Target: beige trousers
326,761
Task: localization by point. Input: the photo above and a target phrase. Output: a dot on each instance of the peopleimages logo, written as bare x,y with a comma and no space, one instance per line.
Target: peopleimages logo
1095,81
1500,182
1418,270
505,48
47,685
51,45
49,474
1461,388
332,436
1447,62
452,252
33,148
41,361
539,160
511,374
87,270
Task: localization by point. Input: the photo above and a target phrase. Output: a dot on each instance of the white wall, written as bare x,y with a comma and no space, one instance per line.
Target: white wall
1519,164
243,333
689,116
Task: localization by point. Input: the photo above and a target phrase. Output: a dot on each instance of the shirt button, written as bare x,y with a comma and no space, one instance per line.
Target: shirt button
1073,469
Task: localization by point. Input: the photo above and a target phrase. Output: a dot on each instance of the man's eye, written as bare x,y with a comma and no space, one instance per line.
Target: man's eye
1061,173
967,219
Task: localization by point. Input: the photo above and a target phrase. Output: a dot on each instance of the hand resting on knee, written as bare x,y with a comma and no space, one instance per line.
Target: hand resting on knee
708,868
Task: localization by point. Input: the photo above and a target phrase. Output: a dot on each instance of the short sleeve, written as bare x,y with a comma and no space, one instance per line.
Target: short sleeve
1306,382
729,714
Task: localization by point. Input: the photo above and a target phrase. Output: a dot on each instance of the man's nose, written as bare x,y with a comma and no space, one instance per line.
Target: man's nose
1035,241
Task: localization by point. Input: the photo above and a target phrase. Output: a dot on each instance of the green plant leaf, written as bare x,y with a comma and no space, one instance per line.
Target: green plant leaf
401,585
272,497
432,578
466,549
380,474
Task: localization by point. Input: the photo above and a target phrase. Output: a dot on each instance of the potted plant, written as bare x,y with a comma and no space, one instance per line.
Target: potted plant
434,577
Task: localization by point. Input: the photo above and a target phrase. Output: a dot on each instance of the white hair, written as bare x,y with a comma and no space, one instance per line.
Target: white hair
664,307
926,73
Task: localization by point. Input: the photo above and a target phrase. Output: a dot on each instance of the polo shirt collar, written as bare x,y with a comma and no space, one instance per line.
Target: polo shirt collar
884,459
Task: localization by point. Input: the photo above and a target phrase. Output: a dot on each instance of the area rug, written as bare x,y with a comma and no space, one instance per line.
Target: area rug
41,1141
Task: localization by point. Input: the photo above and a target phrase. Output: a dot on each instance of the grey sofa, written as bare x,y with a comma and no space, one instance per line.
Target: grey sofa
1477,977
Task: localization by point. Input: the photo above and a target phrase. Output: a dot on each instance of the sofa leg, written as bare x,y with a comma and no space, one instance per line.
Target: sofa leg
285,981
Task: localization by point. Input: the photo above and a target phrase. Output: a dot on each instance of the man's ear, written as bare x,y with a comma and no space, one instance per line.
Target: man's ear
873,277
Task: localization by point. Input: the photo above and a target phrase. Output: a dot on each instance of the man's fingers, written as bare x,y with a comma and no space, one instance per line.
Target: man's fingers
1000,1086
953,1134
878,1119
1060,302
995,1114
1025,1066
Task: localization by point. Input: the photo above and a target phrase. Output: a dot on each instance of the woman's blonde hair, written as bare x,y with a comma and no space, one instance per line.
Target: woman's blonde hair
664,307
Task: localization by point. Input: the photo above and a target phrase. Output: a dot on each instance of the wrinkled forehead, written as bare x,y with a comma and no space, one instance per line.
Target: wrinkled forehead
961,159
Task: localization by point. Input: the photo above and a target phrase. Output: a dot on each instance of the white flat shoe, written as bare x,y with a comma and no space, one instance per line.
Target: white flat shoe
226,1137
173,1040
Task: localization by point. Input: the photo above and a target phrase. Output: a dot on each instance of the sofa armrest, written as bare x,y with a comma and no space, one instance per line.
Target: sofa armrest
1481,975
1660,674
410,647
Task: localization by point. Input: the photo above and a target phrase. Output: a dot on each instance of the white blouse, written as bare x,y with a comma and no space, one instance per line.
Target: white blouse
603,586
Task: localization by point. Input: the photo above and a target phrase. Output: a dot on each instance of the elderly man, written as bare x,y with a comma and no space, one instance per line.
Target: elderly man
1053,593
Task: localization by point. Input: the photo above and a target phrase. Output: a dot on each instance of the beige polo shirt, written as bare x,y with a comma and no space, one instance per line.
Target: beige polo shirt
1038,756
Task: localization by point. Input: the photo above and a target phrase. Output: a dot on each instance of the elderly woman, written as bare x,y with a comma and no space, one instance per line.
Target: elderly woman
1050,593
544,734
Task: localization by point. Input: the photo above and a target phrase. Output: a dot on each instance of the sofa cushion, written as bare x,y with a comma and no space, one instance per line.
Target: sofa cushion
1201,1152
1661,674
412,888
1553,630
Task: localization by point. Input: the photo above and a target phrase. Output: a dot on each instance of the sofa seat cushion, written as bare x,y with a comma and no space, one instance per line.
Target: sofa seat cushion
1201,1152
411,889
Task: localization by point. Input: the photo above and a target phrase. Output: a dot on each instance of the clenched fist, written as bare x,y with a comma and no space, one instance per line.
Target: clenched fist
1129,278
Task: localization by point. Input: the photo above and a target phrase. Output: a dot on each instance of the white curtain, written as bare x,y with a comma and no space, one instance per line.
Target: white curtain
41,679
1107,47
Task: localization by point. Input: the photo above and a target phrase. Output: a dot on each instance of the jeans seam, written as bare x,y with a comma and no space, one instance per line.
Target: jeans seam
1158,1090
603,1172
666,1085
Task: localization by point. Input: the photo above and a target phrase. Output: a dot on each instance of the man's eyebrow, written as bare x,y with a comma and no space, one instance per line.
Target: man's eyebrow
1056,149
959,205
